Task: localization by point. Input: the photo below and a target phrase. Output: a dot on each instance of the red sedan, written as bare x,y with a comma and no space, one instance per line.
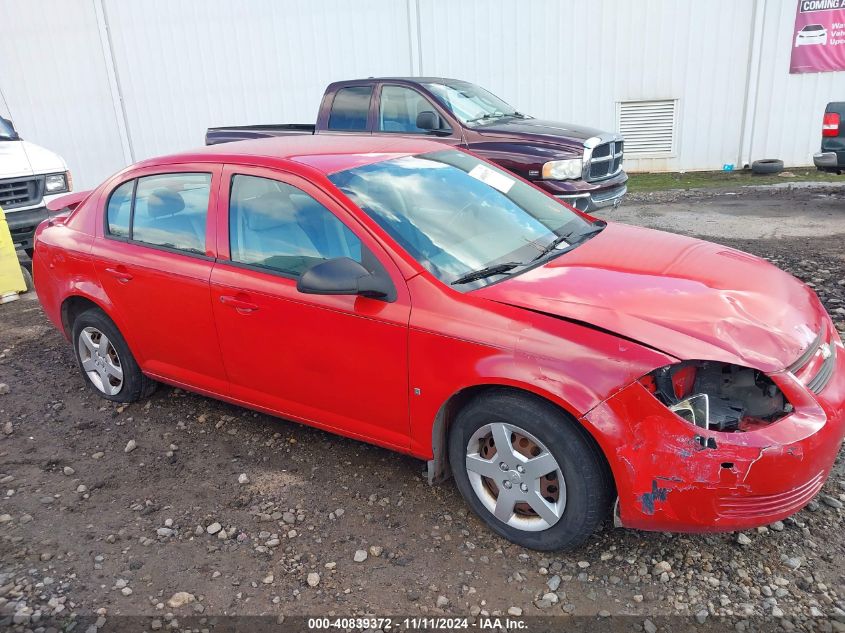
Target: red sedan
417,297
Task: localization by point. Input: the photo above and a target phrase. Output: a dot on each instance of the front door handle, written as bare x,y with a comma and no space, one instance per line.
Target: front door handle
120,273
238,304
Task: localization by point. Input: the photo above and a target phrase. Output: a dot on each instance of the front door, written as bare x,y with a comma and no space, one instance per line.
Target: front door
398,114
340,362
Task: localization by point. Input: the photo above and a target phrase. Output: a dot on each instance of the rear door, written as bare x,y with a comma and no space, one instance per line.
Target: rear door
340,362
154,256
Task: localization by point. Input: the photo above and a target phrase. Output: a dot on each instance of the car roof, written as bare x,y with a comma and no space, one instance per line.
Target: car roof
414,80
326,153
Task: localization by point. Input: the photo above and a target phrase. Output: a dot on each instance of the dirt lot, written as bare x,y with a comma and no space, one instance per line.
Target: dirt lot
89,527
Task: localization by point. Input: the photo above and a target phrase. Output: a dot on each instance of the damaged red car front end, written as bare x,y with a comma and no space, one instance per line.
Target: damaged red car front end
673,475
743,429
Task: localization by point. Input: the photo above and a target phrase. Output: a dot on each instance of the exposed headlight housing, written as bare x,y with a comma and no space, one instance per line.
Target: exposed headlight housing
57,183
718,396
563,169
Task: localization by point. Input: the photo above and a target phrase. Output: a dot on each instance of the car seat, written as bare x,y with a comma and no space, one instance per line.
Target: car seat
162,221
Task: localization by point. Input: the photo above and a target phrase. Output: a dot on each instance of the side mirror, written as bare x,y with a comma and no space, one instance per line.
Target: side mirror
345,276
427,120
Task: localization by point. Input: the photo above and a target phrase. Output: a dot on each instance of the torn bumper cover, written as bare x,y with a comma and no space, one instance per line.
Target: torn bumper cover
672,475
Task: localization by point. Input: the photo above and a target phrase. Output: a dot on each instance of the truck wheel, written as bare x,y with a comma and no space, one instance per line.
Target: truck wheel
767,166
531,473
105,361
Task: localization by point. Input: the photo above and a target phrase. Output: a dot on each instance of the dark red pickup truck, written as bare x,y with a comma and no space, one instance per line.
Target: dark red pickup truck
580,165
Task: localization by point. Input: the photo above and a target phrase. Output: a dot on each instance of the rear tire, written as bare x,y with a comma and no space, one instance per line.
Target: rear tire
104,358
577,494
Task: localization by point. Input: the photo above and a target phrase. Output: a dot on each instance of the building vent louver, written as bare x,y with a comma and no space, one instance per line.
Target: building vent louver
648,127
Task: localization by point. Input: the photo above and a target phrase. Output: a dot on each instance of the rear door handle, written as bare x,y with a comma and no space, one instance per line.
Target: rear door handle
238,304
119,273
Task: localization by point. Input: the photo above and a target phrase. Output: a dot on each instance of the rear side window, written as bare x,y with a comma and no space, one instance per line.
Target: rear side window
350,108
275,225
120,205
168,210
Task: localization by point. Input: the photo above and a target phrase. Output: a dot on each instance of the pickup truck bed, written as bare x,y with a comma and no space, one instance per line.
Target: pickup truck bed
216,135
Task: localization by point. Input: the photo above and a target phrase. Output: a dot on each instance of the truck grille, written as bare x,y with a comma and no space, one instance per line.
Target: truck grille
605,161
21,192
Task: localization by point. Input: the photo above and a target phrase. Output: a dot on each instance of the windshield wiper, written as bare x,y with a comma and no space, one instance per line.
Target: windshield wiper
572,238
483,273
489,115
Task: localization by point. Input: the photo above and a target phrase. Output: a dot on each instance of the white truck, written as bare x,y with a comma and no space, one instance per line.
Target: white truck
30,176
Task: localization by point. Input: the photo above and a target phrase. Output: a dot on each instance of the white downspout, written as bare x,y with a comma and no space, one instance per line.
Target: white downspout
752,85
114,84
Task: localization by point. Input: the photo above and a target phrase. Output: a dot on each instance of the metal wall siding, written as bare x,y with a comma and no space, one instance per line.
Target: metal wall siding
188,65
573,61
54,84
788,116
184,65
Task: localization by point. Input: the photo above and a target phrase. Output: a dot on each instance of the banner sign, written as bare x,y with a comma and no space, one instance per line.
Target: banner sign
818,40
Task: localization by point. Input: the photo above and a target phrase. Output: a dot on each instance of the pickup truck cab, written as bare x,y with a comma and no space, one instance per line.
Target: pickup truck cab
579,165
831,158
30,177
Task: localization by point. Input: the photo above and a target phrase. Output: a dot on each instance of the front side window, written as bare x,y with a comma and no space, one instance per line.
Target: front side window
350,109
277,226
399,108
458,215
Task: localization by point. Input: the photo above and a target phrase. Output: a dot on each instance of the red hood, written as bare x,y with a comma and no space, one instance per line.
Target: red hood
688,298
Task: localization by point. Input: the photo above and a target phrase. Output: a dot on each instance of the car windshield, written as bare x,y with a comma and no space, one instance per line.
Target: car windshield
467,222
7,131
471,104
814,27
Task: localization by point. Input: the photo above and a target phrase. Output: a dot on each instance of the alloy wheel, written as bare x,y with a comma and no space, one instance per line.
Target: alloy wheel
100,361
516,477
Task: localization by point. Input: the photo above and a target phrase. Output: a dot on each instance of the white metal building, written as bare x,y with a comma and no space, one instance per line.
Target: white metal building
109,82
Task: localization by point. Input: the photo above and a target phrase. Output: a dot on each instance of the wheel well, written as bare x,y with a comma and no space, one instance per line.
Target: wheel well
72,307
438,466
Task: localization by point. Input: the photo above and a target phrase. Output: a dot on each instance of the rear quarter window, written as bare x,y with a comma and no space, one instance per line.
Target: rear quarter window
118,211
350,109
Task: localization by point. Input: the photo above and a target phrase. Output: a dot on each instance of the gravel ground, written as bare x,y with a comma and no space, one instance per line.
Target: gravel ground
182,506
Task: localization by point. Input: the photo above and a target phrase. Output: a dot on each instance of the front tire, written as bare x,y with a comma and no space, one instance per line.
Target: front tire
105,361
529,471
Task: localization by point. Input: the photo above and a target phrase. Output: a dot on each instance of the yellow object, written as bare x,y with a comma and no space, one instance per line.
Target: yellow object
11,279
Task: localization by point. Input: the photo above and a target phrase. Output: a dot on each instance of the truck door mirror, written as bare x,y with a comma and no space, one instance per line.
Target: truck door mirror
427,120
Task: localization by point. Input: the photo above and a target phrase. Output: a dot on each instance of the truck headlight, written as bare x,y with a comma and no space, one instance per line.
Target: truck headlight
56,183
563,169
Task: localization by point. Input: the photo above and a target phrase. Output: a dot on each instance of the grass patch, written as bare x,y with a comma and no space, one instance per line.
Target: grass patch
704,179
